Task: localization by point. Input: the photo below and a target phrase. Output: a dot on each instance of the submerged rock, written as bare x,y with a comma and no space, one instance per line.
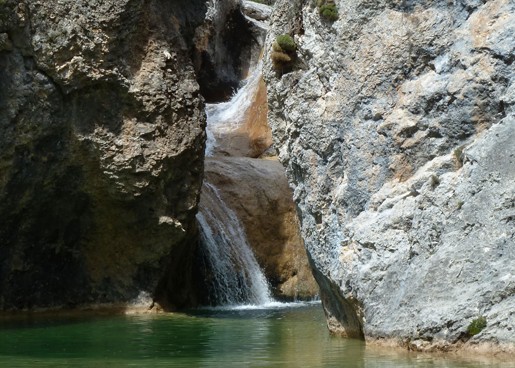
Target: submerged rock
101,151
396,127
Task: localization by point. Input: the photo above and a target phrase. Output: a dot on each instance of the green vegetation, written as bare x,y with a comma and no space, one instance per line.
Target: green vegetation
283,53
280,57
328,9
286,43
476,326
266,2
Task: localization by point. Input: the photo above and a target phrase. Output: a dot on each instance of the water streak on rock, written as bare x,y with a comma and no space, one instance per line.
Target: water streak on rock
234,275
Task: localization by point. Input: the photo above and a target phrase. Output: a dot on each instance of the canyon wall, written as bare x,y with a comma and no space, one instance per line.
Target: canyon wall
396,126
101,151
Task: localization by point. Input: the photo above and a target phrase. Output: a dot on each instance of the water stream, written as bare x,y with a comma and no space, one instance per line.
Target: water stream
234,275
226,117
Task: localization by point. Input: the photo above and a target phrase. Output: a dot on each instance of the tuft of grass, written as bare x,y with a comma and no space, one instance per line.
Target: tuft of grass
458,155
435,181
476,326
280,57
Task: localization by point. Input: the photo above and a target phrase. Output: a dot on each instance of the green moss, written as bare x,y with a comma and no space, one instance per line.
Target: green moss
476,326
328,9
286,43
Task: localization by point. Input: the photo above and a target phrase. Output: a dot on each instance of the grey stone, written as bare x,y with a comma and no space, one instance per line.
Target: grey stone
396,128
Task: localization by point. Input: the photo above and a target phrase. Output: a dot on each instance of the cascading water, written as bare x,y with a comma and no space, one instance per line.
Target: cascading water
234,276
225,117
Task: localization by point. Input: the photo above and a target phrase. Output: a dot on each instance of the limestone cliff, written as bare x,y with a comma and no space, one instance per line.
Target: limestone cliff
397,126
101,151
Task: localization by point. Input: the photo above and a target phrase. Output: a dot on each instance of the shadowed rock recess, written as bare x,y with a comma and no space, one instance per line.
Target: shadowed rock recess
101,151
397,129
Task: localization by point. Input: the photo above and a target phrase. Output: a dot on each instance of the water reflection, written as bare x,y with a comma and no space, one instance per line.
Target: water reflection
293,337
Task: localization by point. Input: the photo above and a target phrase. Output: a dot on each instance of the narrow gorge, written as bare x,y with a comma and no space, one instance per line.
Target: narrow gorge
204,153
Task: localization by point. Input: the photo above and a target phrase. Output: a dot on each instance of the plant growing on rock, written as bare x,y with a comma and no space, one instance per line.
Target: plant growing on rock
476,326
283,52
328,9
458,156
286,43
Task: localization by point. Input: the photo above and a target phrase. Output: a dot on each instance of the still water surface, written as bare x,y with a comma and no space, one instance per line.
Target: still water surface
293,336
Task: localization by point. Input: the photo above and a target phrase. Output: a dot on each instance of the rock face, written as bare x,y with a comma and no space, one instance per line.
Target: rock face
257,190
225,49
101,151
396,128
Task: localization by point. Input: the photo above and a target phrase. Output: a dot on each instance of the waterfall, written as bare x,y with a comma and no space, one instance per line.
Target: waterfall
234,276
226,117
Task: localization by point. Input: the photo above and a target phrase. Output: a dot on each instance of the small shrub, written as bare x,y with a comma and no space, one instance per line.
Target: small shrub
458,155
476,326
435,181
283,53
328,9
276,47
286,43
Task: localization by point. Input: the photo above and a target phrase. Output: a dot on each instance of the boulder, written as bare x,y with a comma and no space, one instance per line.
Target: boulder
257,191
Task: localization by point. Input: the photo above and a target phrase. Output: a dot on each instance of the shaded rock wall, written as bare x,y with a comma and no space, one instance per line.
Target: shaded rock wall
101,151
395,128
225,46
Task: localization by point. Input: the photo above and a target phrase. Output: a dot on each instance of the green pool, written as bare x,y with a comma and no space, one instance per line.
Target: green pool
282,336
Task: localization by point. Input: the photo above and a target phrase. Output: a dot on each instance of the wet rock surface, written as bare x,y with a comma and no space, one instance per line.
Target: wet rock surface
258,192
101,151
396,128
